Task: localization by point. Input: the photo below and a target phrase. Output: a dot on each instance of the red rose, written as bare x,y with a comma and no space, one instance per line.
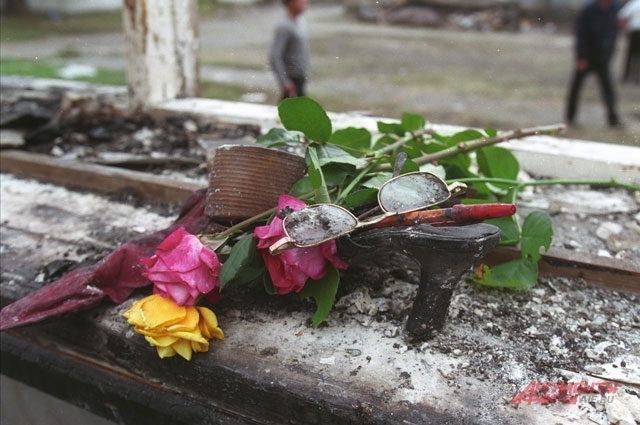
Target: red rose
290,270
182,268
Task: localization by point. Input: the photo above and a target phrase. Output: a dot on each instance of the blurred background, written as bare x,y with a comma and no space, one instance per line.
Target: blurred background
487,63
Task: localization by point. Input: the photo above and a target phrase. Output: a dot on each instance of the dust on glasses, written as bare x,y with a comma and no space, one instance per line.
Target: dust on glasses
416,191
403,200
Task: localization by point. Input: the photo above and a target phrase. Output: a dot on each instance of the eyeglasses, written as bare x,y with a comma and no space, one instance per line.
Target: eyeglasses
403,200
416,191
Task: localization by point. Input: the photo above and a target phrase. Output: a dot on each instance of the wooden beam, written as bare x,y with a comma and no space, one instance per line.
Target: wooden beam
96,177
595,270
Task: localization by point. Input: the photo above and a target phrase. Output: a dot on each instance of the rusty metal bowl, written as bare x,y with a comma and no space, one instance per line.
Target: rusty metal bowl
247,180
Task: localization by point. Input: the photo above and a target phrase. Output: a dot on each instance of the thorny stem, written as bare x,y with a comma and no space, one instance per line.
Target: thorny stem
251,220
244,223
353,184
478,143
414,135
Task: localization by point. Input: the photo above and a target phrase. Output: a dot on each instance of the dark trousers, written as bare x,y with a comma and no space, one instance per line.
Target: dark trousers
632,64
608,95
300,87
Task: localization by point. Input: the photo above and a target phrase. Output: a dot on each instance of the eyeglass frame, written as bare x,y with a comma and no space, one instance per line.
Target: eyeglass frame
454,190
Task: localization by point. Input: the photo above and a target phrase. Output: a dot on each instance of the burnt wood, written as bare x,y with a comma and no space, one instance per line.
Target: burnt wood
595,270
91,176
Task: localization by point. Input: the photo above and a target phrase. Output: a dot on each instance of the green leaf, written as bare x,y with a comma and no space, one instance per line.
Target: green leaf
391,128
360,197
305,115
408,167
498,162
323,291
317,178
244,264
509,231
269,287
278,137
356,140
328,154
336,174
213,243
457,167
412,122
383,141
516,274
413,148
301,187
537,231
377,180
491,132
464,136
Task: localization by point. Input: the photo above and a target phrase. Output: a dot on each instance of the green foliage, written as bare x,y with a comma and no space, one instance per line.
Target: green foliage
412,122
307,116
495,161
537,232
513,275
317,177
40,26
278,137
45,69
356,141
324,292
244,264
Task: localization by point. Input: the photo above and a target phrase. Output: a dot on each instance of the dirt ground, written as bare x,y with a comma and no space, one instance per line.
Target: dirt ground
469,78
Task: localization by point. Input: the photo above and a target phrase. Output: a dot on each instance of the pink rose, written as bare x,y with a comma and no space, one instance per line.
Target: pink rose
182,268
290,270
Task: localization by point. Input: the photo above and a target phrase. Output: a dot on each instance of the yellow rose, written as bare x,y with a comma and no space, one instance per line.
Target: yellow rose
172,328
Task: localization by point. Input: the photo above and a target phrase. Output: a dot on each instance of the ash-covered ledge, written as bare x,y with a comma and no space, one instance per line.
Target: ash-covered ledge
273,367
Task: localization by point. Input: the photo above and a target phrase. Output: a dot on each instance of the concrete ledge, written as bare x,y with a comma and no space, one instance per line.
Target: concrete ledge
577,159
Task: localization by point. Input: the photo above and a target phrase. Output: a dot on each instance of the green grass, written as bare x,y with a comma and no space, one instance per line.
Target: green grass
34,26
44,69
238,61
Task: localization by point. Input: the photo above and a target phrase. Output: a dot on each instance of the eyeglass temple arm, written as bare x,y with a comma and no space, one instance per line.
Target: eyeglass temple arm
457,189
282,245
458,215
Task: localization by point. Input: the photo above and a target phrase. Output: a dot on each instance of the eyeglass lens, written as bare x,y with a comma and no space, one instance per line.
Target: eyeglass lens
318,223
411,192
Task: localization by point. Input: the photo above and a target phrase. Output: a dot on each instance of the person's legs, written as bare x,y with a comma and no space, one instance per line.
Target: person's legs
300,86
608,93
634,52
574,94
627,61
300,89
